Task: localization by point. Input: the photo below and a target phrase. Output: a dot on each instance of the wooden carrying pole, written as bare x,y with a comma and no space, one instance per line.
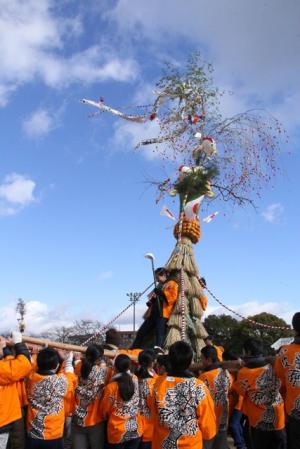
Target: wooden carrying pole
59,345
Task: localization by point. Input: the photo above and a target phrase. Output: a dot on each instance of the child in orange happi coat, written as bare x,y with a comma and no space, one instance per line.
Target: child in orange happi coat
12,369
87,425
47,389
183,410
287,367
146,384
219,382
262,402
236,416
120,407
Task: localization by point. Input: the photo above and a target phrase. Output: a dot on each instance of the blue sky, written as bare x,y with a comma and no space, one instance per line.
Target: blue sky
76,215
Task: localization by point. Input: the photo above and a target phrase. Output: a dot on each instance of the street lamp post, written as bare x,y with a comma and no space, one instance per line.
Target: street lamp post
133,298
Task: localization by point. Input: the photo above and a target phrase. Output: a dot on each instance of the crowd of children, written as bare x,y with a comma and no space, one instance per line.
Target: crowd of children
150,400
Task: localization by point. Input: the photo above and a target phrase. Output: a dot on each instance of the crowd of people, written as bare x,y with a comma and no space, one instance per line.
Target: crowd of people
144,399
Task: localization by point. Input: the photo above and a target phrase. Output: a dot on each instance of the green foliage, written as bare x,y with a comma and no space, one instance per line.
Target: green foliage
195,183
222,328
231,333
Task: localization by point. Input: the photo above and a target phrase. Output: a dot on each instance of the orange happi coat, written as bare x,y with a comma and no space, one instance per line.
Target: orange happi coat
170,290
12,369
46,410
183,413
263,403
88,395
124,421
219,383
146,392
287,368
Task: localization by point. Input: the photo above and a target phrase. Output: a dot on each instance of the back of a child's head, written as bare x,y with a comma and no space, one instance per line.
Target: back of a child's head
253,347
47,359
180,355
124,379
93,354
113,337
145,360
161,271
230,355
210,352
163,363
296,323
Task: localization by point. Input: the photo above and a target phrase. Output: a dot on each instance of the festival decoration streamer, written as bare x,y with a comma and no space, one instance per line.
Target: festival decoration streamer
103,107
210,217
165,211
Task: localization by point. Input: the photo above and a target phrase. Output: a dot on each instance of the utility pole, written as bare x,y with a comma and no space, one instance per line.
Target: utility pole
133,298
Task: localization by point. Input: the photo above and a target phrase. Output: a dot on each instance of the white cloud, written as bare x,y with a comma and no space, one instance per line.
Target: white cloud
273,213
105,275
282,310
16,192
40,123
126,320
39,317
127,135
32,45
259,59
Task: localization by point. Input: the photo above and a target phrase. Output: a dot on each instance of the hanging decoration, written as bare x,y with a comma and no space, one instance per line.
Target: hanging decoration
165,211
210,217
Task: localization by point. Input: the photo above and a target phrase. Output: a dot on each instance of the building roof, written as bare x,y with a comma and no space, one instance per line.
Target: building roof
281,341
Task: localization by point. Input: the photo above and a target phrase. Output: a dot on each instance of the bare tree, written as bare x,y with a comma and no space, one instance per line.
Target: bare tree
21,311
80,331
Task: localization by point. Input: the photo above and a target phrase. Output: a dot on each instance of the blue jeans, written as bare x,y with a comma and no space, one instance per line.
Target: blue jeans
237,429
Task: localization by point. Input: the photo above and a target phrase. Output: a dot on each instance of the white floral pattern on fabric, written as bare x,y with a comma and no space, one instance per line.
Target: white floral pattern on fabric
47,398
178,410
267,394
128,409
87,391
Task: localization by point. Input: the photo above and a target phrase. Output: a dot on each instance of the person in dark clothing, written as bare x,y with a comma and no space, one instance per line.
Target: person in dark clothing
161,303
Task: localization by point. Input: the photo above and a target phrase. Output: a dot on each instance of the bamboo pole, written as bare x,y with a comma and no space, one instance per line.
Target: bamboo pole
64,346
74,348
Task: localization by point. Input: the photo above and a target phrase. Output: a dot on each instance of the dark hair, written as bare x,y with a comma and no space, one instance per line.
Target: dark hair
296,322
180,355
47,359
209,337
92,354
230,355
163,360
210,352
202,282
161,271
253,346
145,360
124,380
112,336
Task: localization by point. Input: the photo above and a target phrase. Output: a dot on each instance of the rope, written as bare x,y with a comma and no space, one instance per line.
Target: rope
241,316
108,325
